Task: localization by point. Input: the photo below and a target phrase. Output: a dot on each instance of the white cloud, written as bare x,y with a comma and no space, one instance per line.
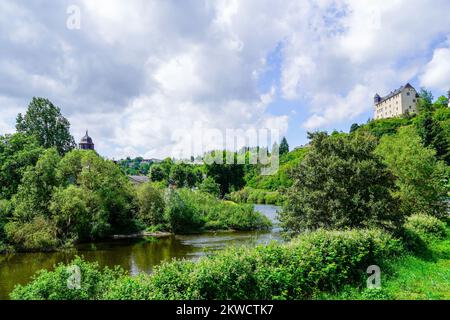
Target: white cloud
436,73
138,70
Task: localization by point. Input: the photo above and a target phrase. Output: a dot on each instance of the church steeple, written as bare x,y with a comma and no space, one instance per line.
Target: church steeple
86,142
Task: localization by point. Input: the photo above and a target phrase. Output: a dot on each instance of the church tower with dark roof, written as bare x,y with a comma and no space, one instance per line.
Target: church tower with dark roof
86,142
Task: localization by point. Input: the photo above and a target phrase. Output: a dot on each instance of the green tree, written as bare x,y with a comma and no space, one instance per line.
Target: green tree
419,175
230,177
284,146
433,135
17,152
45,121
178,175
425,101
157,173
35,191
340,184
208,185
440,103
112,197
71,214
151,205
30,226
180,214
354,127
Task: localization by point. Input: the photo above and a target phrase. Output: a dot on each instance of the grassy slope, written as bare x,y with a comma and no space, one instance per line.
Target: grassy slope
422,277
412,277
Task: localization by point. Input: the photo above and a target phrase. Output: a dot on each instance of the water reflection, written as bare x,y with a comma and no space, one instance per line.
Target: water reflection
134,255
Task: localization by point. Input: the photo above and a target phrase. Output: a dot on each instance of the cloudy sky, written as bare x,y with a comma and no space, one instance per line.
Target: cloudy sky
137,71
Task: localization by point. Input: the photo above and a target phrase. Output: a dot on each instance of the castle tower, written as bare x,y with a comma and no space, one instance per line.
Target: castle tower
376,99
86,142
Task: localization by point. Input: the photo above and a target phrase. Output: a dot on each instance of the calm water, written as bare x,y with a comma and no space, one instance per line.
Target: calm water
134,255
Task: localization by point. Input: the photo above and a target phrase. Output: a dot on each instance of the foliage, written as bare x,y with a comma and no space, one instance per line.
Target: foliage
354,127
340,184
256,196
425,101
208,185
419,176
281,179
5,214
45,121
184,175
157,174
35,192
52,285
410,276
38,233
284,146
228,176
17,152
71,214
314,262
382,127
181,215
426,227
76,198
433,135
136,166
192,211
112,198
151,204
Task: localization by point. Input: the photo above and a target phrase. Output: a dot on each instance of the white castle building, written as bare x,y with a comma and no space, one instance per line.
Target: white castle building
396,103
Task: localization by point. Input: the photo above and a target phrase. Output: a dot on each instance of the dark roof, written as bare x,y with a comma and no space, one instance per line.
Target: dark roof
396,92
86,139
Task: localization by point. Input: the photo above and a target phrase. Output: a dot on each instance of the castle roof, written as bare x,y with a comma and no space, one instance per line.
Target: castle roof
396,92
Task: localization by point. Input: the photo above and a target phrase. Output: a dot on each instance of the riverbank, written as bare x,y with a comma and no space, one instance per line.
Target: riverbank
135,255
315,265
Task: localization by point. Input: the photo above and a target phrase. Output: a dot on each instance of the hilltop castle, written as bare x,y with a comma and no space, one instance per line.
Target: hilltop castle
396,103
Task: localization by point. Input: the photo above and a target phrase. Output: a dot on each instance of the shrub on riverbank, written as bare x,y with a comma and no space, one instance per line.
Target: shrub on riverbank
256,196
313,262
198,210
53,285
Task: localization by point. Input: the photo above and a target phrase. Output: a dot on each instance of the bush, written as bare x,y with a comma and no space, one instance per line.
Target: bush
37,234
256,196
223,214
210,186
52,285
426,227
5,213
314,262
181,215
151,205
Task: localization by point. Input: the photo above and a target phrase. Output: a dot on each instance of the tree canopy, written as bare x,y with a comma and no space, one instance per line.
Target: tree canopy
45,121
340,184
419,175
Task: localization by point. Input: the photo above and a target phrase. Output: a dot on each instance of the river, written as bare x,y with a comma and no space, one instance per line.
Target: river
136,256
